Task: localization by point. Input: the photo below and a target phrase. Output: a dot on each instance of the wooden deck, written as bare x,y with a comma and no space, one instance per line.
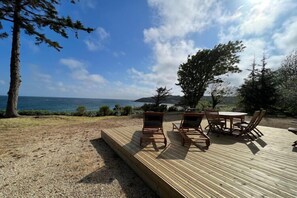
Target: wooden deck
232,167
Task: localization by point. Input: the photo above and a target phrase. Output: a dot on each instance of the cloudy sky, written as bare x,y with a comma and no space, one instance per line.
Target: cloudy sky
138,45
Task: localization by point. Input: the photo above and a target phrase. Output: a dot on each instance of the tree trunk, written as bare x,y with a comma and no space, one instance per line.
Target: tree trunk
15,78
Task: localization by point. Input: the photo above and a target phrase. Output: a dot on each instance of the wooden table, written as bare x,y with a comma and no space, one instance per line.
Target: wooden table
231,115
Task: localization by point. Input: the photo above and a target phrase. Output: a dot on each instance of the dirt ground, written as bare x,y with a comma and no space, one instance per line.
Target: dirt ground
60,156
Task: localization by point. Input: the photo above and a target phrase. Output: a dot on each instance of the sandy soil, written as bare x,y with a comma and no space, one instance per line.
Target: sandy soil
62,157
58,156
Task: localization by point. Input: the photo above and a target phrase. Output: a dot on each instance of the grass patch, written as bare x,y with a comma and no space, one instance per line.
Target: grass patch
50,120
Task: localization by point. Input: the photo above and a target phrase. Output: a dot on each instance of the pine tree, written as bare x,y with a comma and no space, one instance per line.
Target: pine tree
32,17
259,90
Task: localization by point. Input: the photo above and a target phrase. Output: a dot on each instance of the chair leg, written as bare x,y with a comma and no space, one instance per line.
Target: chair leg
207,143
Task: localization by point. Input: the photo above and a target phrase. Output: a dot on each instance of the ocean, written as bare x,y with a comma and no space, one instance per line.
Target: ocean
55,104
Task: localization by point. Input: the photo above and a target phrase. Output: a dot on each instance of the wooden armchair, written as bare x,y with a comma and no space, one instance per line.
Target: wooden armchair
215,123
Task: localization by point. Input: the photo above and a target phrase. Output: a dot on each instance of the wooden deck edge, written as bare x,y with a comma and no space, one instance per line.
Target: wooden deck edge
157,184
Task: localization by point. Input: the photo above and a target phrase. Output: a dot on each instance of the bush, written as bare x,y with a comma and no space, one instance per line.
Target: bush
127,110
172,109
117,110
203,105
104,111
34,112
153,107
91,113
80,111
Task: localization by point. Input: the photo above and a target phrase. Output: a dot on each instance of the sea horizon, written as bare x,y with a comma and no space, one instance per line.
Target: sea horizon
68,104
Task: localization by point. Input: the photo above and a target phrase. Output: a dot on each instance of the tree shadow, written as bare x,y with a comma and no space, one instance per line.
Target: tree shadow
114,168
226,139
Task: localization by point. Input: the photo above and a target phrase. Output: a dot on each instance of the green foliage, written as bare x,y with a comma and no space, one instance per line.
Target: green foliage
33,17
259,90
153,107
203,105
218,92
42,113
127,110
206,67
80,111
117,110
162,94
286,84
104,111
172,109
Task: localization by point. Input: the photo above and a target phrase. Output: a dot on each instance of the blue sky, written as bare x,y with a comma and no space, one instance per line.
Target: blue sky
138,45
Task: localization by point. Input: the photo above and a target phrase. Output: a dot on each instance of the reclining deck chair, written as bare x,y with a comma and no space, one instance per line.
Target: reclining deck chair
215,123
152,130
257,122
247,128
191,130
293,130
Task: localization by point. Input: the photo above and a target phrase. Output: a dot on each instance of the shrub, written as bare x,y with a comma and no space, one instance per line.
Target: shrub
172,109
80,111
104,111
117,110
203,105
153,107
127,110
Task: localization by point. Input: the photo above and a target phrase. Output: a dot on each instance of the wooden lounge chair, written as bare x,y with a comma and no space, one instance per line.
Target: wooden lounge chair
190,129
293,130
215,123
152,130
257,122
247,128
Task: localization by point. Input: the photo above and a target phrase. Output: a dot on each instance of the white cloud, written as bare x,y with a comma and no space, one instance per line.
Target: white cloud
286,38
96,42
118,54
179,18
88,4
80,73
264,27
170,38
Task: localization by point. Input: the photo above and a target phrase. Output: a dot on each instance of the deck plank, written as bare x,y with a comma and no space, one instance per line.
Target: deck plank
232,167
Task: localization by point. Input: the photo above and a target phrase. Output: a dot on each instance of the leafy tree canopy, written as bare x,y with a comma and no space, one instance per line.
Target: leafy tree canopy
287,86
207,66
34,16
161,95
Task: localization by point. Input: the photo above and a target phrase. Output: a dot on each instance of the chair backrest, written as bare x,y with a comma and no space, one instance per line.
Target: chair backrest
252,123
260,117
191,120
212,115
153,119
